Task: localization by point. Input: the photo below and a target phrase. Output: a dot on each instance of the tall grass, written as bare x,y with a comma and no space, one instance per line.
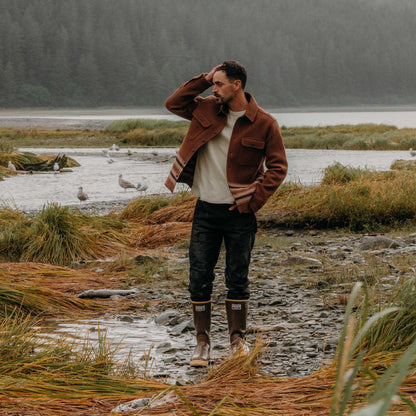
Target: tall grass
397,331
142,207
40,368
346,137
146,124
147,132
38,300
56,235
356,199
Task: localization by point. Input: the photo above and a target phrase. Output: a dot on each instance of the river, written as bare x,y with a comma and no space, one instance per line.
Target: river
99,118
100,178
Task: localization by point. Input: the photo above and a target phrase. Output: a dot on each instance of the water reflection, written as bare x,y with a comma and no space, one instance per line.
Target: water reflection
149,345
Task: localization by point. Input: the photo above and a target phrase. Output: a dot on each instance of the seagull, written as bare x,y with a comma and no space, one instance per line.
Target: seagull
82,196
129,152
412,152
11,166
143,185
114,147
56,167
123,183
109,159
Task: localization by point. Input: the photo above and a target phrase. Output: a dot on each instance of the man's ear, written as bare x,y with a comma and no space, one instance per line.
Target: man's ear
237,84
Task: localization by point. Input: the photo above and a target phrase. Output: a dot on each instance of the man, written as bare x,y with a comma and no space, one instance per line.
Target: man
222,158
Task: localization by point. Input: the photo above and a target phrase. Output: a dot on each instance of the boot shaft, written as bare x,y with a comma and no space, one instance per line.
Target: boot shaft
237,311
202,319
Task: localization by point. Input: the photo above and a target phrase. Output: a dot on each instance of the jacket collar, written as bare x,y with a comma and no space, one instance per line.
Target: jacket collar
251,111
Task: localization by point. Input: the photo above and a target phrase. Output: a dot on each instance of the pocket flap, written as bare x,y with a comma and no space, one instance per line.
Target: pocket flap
253,143
202,119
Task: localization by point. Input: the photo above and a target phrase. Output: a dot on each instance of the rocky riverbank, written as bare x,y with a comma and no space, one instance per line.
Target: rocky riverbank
300,283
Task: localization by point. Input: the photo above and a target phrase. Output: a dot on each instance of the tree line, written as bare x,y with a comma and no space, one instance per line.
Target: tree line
136,52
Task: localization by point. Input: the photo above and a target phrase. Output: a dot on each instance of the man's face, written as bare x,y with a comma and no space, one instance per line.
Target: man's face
224,89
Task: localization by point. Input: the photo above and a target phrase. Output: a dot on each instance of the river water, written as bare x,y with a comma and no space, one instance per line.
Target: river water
99,178
99,118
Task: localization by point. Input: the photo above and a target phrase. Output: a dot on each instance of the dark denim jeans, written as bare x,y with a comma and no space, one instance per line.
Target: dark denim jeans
212,224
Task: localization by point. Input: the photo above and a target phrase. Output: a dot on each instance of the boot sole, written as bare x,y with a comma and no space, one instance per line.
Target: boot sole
199,363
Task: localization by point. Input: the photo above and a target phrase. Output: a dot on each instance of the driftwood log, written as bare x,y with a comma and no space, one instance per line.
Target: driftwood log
106,293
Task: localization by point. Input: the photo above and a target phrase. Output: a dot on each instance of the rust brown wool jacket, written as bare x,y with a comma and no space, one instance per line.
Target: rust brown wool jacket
255,139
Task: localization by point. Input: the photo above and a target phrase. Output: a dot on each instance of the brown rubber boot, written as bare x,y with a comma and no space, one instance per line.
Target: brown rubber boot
237,311
202,322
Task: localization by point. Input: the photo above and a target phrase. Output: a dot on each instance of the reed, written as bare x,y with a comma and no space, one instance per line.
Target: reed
20,160
408,165
38,300
141,208
146,124
364,200
397,331
46,371
346,137
58,235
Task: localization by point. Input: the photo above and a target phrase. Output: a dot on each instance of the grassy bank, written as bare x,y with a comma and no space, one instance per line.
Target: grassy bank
64,377
356,199
164,133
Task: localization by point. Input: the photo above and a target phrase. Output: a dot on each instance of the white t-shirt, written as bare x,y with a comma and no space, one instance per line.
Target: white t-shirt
210,177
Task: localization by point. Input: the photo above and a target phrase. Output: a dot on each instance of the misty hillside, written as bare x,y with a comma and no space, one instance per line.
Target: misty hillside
136,52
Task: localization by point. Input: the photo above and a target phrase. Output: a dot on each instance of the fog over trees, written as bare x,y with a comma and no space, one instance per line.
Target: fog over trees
137,52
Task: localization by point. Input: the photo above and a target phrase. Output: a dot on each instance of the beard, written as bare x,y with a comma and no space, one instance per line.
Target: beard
222,100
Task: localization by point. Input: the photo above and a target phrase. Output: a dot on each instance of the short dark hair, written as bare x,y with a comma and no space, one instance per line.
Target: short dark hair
234,70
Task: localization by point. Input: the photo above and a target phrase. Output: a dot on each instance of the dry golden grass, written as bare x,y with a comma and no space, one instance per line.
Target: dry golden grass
158,235
61,279
180,213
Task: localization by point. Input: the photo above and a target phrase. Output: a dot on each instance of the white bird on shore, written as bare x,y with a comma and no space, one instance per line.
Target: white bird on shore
123,183
82,196
56,167
11,166
143,185
412,152
109,159
114,148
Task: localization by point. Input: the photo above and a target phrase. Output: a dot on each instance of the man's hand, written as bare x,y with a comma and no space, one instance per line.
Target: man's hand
211,73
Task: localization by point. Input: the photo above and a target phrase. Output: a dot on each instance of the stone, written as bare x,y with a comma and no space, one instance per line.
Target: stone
182,327
301,261
132,405
126,318
379,242
166,316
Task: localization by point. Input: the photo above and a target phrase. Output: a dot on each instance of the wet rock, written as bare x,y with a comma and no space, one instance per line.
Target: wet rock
166,316
132,405
379,242
182,327
301,261
126,318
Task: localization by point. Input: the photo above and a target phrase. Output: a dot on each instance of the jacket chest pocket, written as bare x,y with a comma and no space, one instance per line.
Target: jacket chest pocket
199,125
251,151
